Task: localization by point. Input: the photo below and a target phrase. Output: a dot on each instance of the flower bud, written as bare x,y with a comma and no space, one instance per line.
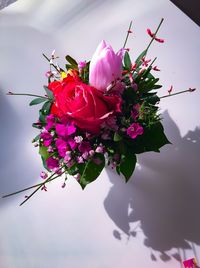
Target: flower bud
105,66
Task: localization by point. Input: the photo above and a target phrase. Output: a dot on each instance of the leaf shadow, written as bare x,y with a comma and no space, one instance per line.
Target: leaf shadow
163,195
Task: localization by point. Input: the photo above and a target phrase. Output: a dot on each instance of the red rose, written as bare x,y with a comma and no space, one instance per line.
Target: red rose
85,105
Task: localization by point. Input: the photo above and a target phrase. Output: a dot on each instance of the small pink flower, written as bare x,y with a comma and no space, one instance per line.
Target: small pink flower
63,185
46,137
145,62
44,188
48,74
80,159
85,155
155,68
135,111
77,176
91,152
84,147
170,89
100,149
72,143
68,156
134,130
43,175
70,163
81,65
78,139
152,35
52,163
62,147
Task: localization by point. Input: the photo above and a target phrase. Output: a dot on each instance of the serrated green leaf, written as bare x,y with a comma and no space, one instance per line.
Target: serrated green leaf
37,101
71,61
48,92
128,164
117,137
127,61
92,169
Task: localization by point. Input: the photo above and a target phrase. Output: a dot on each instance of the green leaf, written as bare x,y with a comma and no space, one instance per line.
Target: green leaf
36,138
37,101
127,165
152,99
117,137
138,60
46,107
48,92
127,61
156,87
43,152
92,169
35,125
152,139
68,66
71,61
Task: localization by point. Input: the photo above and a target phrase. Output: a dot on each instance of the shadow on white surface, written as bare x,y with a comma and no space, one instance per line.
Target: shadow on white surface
162,197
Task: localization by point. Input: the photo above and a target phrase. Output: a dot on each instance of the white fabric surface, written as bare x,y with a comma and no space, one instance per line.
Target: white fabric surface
74,228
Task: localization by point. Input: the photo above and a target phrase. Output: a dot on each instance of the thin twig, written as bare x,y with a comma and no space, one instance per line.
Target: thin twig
26,94
154,35
177,93
128,32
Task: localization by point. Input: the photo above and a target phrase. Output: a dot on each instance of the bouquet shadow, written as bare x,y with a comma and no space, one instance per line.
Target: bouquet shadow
163,196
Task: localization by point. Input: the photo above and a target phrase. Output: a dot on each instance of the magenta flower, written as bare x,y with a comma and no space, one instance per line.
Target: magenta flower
105,66
52,163
81,65
72,143
62,147
134,130
84,147
135,111
68,156
50,119
65,130
47,138
43,175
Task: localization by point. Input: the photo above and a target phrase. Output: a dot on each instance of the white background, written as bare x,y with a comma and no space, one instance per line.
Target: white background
153,221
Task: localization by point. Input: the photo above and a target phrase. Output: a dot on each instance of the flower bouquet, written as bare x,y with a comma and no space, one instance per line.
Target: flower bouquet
96,113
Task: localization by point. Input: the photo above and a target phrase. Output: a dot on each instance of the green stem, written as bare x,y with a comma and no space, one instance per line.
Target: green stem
26,94
154,34
128,32
177,93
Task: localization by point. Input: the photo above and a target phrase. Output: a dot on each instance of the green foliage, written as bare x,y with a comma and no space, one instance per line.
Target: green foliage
48,92
139,58
127,165
72,63
37,101
127,61
91,169
152,139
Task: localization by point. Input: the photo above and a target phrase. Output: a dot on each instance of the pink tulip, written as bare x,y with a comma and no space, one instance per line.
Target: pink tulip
105,66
